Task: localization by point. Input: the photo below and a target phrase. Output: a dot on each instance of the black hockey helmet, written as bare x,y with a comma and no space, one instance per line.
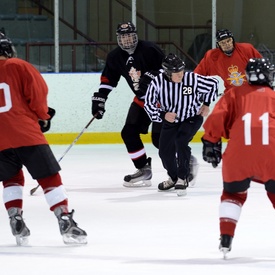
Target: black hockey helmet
222,35
127,38
260,71
6,47
172,64
126,27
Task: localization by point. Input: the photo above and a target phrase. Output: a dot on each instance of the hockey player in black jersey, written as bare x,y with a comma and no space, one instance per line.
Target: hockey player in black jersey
179,100
131,59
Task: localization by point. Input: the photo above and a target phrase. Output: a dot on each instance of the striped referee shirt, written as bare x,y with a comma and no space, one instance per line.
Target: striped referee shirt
184,98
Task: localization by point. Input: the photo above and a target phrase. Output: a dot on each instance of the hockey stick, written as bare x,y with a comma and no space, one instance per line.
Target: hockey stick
33,190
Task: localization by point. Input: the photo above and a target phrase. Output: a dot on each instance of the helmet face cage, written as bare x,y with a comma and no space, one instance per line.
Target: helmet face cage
6,47
127,38
259,71
127,42
172,64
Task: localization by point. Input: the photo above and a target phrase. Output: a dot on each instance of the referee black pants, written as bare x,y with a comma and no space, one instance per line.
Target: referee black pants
174,149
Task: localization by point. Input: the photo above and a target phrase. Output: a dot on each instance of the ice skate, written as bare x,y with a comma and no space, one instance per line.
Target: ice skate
166,185
225,244
18,226
141,178
194,167
181,186
69,230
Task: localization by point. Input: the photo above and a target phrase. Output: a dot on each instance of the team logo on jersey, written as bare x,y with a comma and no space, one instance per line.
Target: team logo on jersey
130,60
236,78
135,76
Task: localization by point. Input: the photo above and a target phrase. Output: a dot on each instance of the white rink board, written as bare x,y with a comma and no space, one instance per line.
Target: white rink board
70,94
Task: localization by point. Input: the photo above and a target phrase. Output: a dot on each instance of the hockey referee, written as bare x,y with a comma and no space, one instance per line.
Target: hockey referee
180,99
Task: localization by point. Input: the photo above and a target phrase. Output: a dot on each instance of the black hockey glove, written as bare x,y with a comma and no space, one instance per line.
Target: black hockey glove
212,152
45,125
144,82
98,105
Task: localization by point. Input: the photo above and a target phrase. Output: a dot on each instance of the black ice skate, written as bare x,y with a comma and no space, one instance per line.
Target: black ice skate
194,167
166,185
141,178
181,186
69,230
225,244
18,226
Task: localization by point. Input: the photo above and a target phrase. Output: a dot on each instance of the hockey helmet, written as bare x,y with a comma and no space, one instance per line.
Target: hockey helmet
127,38
172,64
126,27
6,47
222,35
260,71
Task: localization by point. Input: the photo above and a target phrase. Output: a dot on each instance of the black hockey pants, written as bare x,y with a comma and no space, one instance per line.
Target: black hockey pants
138,122
174,149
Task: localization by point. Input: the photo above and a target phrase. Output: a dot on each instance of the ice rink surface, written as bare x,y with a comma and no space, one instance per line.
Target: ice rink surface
138,231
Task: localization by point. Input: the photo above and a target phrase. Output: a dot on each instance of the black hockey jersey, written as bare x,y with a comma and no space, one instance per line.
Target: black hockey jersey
147,56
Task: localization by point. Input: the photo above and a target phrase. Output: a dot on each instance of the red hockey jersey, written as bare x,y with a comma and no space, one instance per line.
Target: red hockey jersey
23,100
247,118
230,68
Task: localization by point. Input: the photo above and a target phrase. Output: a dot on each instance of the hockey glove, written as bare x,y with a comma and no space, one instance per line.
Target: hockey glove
45,125
98,105
144,82
212,152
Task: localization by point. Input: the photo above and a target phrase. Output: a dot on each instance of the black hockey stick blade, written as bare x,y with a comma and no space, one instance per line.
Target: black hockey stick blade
33,190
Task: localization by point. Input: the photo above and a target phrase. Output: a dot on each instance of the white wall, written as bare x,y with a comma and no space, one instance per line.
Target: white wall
70,95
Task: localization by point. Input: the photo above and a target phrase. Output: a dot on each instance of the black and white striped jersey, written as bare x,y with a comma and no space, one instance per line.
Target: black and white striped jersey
184,98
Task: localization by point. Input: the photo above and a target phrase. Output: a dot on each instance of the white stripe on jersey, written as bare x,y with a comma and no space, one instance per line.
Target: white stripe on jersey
105,86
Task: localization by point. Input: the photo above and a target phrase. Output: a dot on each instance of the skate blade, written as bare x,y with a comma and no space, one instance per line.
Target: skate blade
225,251
192,183
144,183
181,192
172,189
21,241
73,239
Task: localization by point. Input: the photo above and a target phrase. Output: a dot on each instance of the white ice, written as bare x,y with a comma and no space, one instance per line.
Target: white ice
138,231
